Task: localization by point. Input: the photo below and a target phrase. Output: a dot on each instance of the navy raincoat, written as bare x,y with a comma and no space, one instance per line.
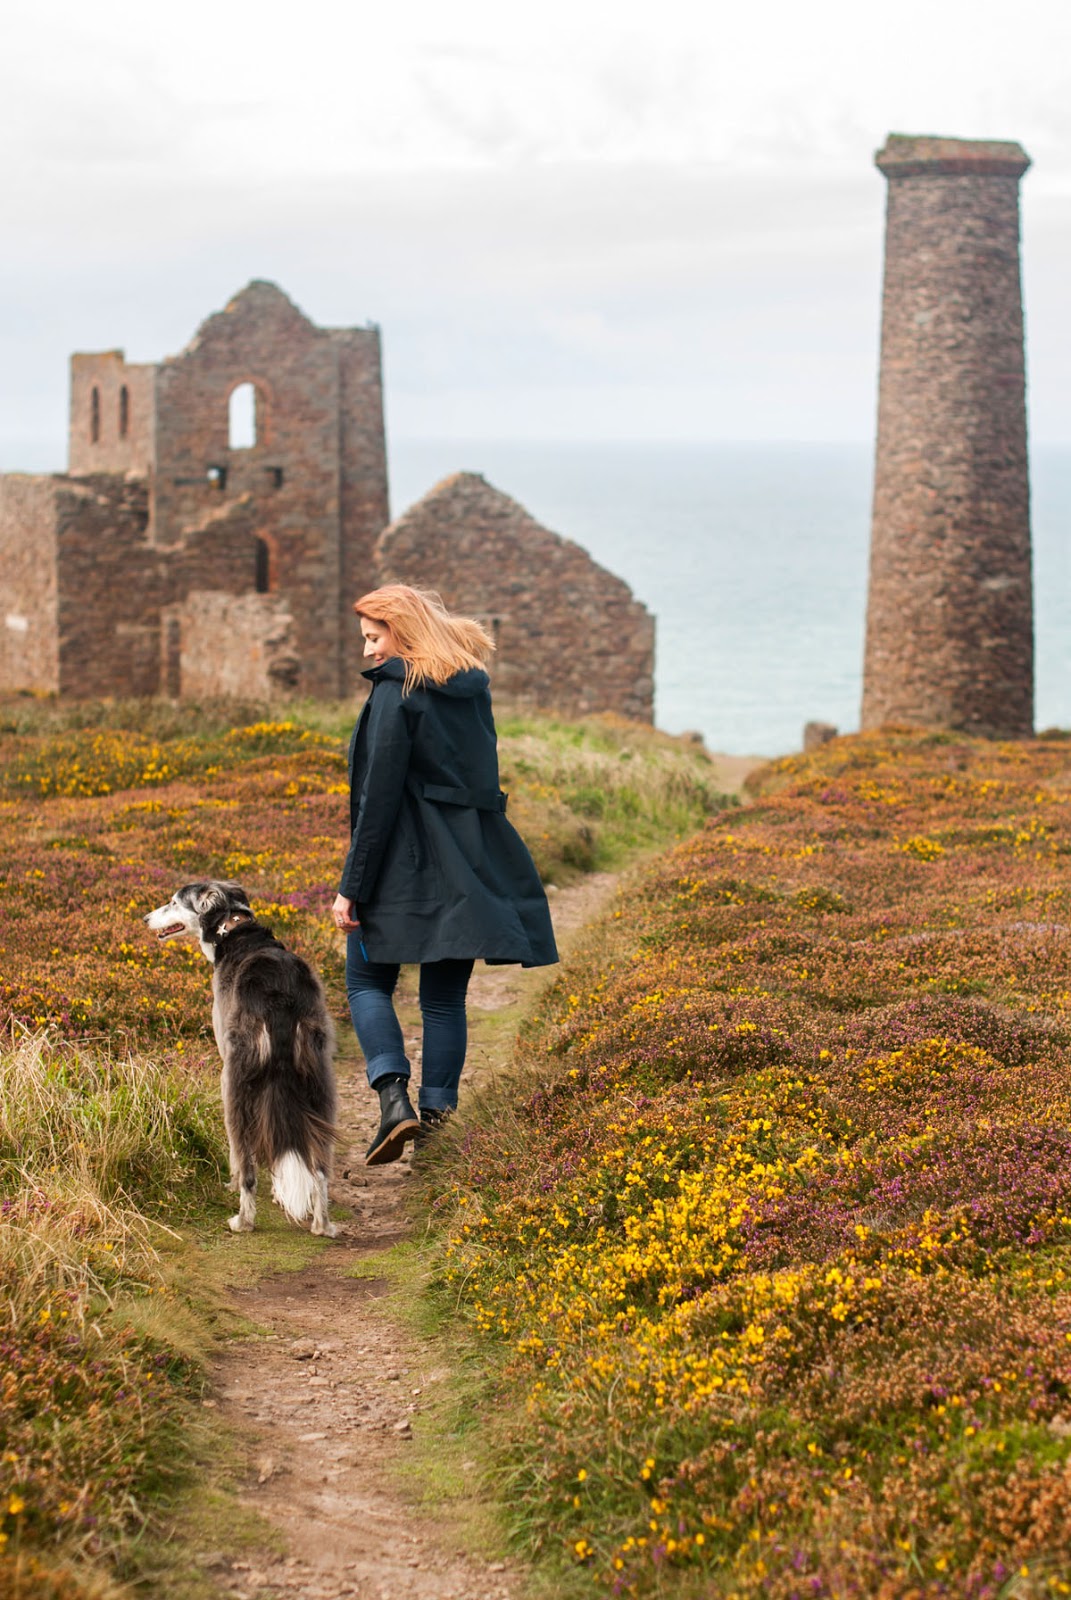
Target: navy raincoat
434,868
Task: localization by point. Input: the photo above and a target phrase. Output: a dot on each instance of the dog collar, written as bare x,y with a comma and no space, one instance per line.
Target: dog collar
233,921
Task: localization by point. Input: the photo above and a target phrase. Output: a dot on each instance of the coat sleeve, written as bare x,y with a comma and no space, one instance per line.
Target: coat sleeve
382,782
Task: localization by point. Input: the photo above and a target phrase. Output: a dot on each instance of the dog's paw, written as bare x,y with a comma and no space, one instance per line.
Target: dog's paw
239,1224
327,1229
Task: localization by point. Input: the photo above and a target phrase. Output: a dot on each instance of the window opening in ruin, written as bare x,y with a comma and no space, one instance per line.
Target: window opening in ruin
262,558
243,417
124,411
94,416
217,476
276,477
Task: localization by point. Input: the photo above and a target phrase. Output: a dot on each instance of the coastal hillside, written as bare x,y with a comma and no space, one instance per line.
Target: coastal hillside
113,1244
768,1254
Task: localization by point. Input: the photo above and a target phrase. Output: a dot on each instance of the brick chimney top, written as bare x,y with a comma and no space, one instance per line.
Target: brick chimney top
914,155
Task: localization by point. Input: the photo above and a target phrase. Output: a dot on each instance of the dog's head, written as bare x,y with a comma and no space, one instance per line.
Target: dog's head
198,911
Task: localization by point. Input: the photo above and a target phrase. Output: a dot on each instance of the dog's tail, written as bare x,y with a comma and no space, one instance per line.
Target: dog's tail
293,1185
297,1107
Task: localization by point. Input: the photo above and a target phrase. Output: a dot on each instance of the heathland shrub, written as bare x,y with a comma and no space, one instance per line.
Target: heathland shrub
79,873
109,1115
101,821
775,1250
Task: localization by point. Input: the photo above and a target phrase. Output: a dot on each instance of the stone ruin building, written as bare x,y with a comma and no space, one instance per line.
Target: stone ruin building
224,507
950,635
591,648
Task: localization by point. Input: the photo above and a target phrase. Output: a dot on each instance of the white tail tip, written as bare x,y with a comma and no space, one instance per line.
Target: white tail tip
293,1185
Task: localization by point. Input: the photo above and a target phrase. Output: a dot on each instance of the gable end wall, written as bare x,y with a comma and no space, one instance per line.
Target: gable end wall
569,635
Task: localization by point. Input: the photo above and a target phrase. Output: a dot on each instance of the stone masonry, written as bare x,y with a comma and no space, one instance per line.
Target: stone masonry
178,557
107,571
568,634
949,636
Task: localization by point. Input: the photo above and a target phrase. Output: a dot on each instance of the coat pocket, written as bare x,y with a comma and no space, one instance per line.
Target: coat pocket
408,874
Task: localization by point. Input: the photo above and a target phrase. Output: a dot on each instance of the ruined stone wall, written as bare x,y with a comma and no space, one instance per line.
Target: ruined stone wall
111,585
29,639
569,634
291,473
126,605
221,554
364,507
950,618
232,644
112,414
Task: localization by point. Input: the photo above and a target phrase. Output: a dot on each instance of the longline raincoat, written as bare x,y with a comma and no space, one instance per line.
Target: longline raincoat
434,867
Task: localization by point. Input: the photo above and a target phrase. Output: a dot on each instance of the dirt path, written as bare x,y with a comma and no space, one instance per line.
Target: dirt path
328,1401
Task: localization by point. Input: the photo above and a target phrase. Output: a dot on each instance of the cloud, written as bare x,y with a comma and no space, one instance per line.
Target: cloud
571,216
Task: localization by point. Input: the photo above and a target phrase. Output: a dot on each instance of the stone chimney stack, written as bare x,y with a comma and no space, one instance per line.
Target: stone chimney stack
950,632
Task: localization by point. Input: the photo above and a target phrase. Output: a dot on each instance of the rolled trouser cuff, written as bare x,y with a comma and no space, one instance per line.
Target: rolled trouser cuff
436,1100
388,1065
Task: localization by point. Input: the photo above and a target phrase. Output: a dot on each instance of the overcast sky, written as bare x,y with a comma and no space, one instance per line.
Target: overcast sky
574,219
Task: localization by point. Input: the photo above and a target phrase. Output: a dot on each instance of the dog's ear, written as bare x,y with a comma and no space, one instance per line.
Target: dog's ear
220,895
210,897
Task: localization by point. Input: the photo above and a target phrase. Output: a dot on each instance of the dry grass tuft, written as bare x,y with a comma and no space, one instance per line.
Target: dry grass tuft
92,1149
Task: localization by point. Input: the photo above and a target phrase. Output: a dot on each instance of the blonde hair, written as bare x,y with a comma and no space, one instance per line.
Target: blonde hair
433,643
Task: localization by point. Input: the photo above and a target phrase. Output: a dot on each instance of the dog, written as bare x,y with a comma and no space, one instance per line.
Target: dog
275,1037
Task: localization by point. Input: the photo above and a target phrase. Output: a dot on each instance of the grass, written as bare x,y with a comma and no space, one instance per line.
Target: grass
112,1249
591,795
767,1249
98,1381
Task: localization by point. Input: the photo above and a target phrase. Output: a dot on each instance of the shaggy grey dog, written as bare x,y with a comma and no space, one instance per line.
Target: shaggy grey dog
275,1036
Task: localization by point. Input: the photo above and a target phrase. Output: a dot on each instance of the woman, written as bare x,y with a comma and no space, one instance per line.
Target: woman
435,873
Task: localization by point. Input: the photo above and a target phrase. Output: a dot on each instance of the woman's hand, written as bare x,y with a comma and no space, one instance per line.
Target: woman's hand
343,913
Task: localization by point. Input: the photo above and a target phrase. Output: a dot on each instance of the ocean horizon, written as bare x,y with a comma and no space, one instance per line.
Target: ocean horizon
753,559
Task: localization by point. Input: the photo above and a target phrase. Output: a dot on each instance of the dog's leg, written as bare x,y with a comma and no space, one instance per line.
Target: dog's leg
233,1155
245,1220
235,1159
321,1222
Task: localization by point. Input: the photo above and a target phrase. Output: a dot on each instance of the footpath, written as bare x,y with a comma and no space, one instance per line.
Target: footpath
326,1401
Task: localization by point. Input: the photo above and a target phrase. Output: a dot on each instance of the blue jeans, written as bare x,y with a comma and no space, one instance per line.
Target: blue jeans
370,988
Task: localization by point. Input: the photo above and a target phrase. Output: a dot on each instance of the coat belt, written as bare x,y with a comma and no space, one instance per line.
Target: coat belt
477,799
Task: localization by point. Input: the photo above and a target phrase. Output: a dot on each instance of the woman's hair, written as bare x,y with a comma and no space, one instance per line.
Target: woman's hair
432,642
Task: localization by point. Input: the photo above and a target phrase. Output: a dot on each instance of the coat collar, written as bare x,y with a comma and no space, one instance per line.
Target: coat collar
466,683
394,668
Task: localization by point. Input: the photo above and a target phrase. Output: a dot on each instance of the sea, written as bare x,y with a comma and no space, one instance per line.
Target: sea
753,559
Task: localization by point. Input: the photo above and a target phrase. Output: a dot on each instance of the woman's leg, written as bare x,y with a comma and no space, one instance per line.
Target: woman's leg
370,988
442,1006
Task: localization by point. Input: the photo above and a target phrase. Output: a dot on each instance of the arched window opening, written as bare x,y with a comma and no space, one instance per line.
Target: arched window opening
262,560
244,420
124,411
94,416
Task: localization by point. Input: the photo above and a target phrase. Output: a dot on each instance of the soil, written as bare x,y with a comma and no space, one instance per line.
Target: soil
326,1399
